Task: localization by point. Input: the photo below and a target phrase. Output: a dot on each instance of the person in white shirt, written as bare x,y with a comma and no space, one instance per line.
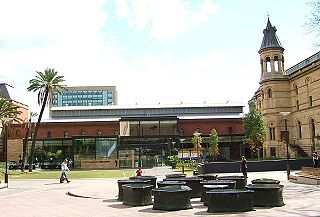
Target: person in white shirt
64,169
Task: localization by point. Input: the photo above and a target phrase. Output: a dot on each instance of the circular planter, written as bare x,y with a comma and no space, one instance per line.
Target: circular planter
128,181
152,179
266,195
241,181
169,183
137,194
265,181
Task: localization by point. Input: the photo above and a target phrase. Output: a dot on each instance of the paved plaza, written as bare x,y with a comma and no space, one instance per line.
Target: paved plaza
98,197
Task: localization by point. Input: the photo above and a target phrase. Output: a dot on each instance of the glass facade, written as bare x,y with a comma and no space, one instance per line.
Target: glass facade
84,98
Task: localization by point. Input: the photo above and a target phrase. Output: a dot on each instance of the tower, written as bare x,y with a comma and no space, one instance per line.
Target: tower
271,55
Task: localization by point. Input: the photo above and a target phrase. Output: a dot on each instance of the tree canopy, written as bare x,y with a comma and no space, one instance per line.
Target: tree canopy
213,143
313,20
8,110
254,128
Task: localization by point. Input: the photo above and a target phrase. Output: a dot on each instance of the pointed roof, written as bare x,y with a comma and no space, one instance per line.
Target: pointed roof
270,38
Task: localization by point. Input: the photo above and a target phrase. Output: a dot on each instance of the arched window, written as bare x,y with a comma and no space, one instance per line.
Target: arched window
115,132
268,62
18,133
32,134
82,133
49,135
272,131
65,134
181,131
276,64
99,132
269,93
297,104
262,94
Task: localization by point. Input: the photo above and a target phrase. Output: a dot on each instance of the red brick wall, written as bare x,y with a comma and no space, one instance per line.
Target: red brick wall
206,125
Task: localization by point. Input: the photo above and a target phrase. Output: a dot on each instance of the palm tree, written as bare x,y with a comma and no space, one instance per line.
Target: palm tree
28,126
46,83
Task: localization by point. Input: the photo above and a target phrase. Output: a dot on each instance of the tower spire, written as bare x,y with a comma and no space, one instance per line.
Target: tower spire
270,38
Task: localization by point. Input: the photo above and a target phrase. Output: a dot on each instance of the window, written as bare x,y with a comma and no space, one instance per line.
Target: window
312,128
82,133
49,134
272,133
230,130
273,152
299,129
269,93
297,104
198,130
276,64
99,132
268,64
181,132
310,100
295,88
18,133
65,134
115,132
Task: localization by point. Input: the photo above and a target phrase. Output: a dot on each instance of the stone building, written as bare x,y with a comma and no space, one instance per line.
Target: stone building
288,99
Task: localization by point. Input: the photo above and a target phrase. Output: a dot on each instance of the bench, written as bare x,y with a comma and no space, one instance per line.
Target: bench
137,194
231,184
193,182
230,200
170,198
205,188
175,175
265,181
152,179
208,176
266,195
169,183
128,181
241,181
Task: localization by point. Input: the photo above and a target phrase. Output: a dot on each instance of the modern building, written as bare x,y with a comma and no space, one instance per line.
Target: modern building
288,99
86,96
140,135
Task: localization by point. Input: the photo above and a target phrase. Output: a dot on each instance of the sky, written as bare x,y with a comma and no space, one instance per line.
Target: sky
153,51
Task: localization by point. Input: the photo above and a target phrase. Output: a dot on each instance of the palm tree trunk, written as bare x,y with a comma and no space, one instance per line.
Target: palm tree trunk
34,138
24,148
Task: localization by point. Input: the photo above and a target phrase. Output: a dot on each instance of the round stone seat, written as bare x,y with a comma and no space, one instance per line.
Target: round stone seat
231,183
205,188
174,197
241,181
265,181
137,194
230,200
152,179
175,175
169,183
266,195
128,181
208,176
193,182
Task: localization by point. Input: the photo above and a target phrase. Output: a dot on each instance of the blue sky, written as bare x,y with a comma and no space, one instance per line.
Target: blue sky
154,51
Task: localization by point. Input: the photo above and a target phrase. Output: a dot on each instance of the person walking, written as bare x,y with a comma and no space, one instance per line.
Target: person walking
244,166
315,159
64,169
139,172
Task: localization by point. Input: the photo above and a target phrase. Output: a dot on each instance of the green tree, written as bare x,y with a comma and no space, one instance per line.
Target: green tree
313,20
28,126
197,141
213,144
8,110
46,84
254,128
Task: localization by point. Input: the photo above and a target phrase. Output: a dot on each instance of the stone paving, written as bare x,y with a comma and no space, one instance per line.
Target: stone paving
98,197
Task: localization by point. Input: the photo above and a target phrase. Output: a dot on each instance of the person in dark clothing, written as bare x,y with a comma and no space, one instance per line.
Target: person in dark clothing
244,166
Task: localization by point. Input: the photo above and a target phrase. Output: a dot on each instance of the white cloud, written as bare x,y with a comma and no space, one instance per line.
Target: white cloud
167,18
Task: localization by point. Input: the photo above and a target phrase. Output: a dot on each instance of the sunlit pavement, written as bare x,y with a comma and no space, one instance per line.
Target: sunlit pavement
98,197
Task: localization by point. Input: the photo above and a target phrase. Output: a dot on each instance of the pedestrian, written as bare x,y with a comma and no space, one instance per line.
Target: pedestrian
20,161
244,166
139,172
315,159
70,163
64,169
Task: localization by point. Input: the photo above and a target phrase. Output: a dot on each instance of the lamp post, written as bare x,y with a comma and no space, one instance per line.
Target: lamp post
197,135
181,141
6,122
285,114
